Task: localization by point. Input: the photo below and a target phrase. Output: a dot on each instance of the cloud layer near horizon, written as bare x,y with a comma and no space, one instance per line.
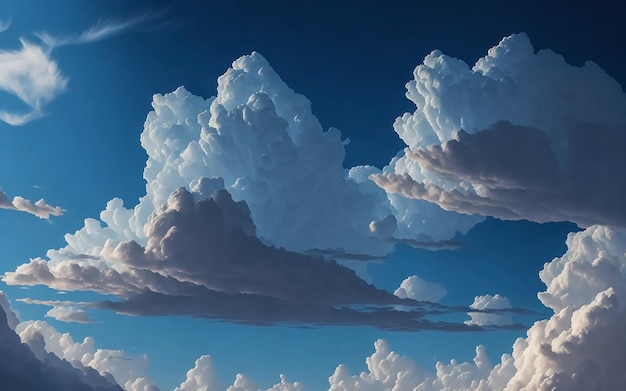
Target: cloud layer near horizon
580,347
520,135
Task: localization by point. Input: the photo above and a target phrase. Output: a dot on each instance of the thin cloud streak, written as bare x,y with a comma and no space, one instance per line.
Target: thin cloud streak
32,76
40,208
102,30
4,25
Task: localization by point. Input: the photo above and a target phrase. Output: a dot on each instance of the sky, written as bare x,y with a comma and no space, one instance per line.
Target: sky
257,195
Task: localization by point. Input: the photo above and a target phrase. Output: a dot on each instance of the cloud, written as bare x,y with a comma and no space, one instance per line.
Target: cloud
11,318
4,25
490,302
415,288
103,29
259,140
24,369
40,208
521,135
130,372
580,347
202,377
69,314
202,259
31,76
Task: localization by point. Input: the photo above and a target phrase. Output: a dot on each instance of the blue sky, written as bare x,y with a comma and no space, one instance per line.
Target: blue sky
248,276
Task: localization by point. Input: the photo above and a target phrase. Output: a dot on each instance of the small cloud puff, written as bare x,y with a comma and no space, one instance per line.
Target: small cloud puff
40,208
415,288
489,302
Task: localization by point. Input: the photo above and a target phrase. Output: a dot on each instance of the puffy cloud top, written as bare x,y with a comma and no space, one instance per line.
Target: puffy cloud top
521,135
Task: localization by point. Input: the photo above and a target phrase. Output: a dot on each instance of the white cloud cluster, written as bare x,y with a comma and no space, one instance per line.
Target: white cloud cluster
202,377
520,135
40,208
489,302
416,288
581,347
130,372
259,140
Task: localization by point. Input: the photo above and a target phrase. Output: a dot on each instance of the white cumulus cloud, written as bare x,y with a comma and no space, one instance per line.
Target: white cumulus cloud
416,288
489,302
520,135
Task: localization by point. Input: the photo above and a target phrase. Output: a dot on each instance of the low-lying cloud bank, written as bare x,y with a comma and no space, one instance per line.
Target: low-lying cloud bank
203,259
520,135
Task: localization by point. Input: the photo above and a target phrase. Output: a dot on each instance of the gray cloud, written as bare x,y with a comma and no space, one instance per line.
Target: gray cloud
31,370
519,135
69,314
514,172
203,259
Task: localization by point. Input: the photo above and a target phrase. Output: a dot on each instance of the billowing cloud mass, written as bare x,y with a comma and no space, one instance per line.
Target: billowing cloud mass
581,347
520,135
202,259
30,368
490,302
40,208
415,288
258,141
129,372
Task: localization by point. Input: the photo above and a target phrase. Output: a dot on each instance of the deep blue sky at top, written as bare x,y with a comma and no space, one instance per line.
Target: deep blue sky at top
351,59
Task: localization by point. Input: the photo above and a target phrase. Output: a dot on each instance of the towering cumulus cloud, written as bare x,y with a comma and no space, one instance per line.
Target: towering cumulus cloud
521,135
237,187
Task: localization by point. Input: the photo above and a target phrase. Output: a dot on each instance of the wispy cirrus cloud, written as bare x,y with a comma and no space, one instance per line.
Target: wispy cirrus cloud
4,25
103,29
31,74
